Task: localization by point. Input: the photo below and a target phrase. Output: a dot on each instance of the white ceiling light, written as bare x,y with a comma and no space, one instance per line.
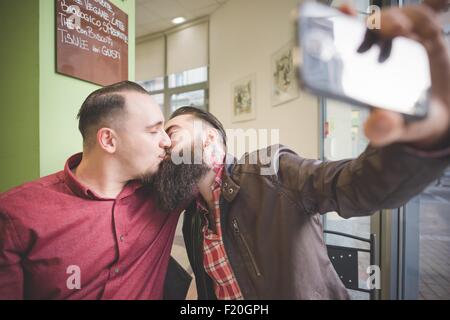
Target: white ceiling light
178,20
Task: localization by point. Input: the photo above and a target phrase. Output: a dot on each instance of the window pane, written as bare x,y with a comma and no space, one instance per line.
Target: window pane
159,99
188,77
191,98
153,85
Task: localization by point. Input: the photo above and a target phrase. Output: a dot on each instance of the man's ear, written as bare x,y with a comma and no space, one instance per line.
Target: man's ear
211,137
212,150
106,138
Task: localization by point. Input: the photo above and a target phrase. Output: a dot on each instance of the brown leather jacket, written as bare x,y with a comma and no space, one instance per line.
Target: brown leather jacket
271,223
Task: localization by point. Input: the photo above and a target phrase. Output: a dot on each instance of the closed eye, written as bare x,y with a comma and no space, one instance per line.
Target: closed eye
170,134
155,128
171,130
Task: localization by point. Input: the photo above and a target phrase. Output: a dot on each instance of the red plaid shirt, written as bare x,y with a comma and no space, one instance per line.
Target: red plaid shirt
215,259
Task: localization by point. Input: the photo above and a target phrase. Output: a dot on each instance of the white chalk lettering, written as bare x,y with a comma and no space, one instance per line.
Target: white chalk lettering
114,54
98,11
107,28
105,5
72,40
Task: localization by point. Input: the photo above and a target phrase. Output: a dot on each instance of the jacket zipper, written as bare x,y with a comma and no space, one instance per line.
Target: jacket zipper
237,231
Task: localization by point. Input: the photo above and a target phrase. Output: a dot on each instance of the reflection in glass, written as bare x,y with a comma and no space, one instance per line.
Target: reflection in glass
153,85
191,98
188,77
159,98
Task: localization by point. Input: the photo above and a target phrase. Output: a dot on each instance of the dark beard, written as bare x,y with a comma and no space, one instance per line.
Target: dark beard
176,184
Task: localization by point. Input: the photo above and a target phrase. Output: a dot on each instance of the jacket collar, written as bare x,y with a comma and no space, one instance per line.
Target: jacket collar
230,189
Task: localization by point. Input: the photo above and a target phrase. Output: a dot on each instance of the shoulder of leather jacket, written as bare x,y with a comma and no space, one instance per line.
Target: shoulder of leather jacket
263,162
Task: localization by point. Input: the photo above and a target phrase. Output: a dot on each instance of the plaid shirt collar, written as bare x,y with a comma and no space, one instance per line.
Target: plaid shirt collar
217,184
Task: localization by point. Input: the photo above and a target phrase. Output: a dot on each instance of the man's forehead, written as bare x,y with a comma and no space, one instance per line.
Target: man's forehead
138,99
181,121
143,105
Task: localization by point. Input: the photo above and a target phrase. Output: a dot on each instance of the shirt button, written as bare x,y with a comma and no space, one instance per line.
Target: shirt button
116,270
122,238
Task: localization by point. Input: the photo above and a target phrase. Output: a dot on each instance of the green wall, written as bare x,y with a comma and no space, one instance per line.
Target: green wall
19,87
38,126
60,97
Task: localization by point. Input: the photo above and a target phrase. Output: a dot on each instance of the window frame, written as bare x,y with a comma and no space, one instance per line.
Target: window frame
167,91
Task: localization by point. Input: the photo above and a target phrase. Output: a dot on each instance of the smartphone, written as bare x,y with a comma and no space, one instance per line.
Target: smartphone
329,65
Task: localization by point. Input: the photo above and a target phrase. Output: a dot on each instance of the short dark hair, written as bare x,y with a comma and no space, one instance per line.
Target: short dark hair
102,106
203,115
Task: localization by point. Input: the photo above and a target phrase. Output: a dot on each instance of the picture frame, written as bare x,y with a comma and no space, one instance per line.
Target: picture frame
243,99
284,83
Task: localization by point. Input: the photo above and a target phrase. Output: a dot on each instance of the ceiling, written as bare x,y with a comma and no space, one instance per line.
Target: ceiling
156,15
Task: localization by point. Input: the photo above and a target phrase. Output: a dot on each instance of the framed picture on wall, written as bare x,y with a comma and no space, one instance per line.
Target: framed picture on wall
243,93
284,86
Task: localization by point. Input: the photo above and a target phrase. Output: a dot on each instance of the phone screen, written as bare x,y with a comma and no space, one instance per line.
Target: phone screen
331,65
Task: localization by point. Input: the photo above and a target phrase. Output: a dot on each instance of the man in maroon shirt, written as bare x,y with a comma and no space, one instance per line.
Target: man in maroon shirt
92,231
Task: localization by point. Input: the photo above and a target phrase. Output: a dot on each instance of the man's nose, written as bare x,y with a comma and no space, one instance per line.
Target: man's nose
165,141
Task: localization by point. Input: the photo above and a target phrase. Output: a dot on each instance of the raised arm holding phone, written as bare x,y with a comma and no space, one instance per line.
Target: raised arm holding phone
103,227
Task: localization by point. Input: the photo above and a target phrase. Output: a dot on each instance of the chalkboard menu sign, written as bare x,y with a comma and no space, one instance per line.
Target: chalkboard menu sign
91,41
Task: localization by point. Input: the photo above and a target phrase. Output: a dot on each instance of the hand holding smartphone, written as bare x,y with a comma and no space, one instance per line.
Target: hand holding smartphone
330,65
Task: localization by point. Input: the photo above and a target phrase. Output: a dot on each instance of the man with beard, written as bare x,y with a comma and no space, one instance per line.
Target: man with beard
92,231
252,233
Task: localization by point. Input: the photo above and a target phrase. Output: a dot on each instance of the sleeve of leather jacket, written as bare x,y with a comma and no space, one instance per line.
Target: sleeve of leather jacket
380,178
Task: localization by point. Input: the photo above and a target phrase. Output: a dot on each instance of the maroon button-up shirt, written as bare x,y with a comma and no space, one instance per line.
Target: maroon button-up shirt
59,240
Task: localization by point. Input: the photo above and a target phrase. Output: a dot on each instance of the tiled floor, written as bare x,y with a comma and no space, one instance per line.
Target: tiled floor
435,243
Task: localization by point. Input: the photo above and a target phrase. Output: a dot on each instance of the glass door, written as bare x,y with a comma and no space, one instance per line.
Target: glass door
424,235
414,240
343,138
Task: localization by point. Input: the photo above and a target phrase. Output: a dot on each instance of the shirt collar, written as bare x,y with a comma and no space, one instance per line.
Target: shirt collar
217,184
84,191
218,169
